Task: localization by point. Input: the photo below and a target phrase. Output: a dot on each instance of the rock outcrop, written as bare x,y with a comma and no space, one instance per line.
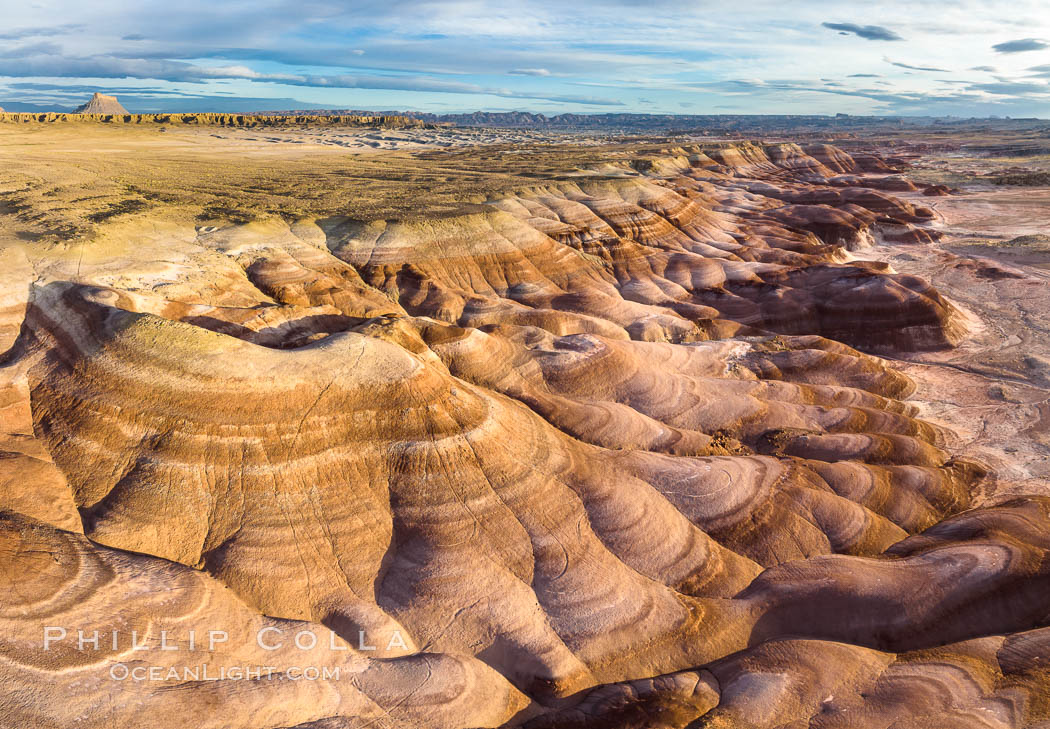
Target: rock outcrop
101,104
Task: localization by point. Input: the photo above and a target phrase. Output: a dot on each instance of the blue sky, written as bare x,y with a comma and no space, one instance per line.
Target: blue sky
947,57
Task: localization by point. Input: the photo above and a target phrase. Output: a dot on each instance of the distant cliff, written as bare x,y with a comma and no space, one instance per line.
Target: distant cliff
228,120
627,122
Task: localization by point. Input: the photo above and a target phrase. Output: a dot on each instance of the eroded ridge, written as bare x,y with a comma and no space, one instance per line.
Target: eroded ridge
604,453
96,114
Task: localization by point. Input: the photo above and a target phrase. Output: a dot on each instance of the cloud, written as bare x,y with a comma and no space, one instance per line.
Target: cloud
907,102
428,84
869,32
164,70
1011,88
898,64
31,49
78,90
540,55
760,86
51,65
1020,46
48,32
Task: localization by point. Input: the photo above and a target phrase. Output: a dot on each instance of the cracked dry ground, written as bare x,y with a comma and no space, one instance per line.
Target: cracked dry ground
604,451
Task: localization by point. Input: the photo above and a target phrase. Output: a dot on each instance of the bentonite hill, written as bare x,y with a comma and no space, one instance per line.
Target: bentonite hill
331,427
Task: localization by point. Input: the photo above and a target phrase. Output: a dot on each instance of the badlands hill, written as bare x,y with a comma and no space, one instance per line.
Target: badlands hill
101,104
559,438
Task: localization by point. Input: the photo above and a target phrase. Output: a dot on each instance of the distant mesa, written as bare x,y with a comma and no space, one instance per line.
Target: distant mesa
101,104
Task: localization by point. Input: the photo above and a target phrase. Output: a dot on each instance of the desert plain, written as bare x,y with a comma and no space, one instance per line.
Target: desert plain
524,428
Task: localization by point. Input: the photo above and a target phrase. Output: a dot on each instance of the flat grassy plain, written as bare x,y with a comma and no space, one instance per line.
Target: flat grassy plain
59,182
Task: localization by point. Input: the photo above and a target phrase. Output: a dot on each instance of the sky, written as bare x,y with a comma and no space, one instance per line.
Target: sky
949,57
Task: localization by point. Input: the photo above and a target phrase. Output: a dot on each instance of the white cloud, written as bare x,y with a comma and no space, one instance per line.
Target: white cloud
541,52
529,72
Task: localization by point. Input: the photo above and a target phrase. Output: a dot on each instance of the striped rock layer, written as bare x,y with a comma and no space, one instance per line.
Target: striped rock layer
608,454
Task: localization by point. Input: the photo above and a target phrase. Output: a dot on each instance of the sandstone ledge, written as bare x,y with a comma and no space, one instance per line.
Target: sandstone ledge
226,120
